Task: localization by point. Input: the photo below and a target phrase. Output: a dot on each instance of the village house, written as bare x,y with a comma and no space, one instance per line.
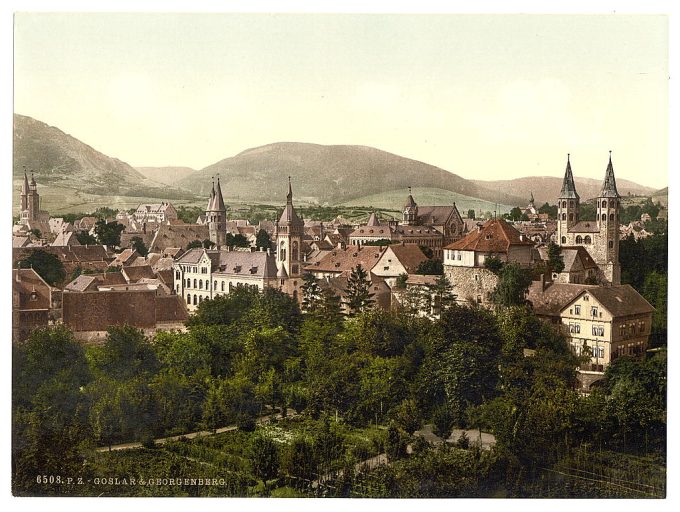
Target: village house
159,213
602,322
35,304
397,260
464,260
579,266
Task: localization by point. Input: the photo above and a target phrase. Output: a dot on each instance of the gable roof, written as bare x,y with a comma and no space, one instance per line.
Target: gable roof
409,255
344,260
26,281
619,300
437,215
134,274
249,264
178,235
495,236
82,283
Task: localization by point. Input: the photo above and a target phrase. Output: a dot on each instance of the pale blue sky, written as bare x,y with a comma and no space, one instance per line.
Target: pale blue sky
484,96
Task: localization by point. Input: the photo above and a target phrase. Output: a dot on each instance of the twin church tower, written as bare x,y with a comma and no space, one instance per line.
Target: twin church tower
599,237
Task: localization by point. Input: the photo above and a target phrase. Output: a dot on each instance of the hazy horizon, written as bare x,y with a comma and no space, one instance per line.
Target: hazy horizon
486,97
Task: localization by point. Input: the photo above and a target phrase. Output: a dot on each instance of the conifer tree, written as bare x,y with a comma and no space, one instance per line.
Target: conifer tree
358,295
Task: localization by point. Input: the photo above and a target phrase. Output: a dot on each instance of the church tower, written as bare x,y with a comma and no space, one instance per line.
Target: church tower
30,201
608,204
289,233
216,216
567,206
410,214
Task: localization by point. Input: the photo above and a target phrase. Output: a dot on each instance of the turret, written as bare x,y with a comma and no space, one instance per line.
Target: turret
410,214
216,215
289,233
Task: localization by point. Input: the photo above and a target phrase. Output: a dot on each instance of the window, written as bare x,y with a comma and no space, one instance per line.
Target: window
564,216
564,239
593,310
571,216
195,285
195,299
386,268
204,270
611,216
611,244
587,240
571,204
604,204
459,256
200,284
579,239
642,327
604,216
564,204
176,274
479,299
476,277
222,286
577,309
574,328
598,330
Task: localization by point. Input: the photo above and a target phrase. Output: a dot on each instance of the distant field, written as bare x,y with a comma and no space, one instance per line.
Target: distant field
61,200
395,199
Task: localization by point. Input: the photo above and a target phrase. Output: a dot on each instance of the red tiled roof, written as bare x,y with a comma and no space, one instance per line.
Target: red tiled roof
495,236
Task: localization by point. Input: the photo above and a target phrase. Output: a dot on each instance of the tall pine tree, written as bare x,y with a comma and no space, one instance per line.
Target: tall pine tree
358,296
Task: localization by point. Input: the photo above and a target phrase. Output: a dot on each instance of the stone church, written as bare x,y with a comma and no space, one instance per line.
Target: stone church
599,237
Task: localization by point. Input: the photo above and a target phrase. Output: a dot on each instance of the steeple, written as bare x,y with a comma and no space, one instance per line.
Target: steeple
211,199
289,216
609,184
568,187
410,203
531,199
219,200
24,187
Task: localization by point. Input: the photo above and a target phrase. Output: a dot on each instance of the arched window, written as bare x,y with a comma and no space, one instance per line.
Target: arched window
587,240
611,216
176,274
195,300
564,216
294,251
195,284
282,251
188,298
604,216
571,204
564,204
200,284
611,244
579,239
222,285
564,239
571,216
215,285
604,204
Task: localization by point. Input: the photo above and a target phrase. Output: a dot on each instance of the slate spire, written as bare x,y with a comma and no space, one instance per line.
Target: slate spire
609,183
568,187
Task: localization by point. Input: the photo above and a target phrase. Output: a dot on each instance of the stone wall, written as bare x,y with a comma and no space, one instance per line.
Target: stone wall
469,288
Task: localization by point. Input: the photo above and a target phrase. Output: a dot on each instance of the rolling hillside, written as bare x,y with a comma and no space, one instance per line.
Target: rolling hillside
328,174
62,161
547,188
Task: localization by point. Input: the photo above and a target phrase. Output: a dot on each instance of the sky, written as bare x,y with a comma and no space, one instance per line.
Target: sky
484,96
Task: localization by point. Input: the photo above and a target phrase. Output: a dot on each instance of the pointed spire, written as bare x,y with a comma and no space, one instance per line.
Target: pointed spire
33,183
219,200
289,216
373,220
24,187
531,199
211,199
289,196
609,184
410,203
568,187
